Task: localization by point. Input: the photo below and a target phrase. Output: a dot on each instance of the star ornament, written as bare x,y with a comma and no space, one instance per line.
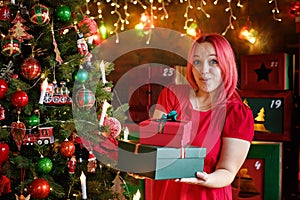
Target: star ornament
263,73
4,13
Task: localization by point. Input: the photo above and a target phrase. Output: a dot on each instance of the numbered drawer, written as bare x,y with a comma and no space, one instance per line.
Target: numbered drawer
272,112
265,72
260,177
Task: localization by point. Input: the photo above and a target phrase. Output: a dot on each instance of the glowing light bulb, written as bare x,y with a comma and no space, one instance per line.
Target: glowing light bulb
192,29
248,34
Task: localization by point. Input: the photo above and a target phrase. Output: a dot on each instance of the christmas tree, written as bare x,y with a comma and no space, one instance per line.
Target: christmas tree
260,120
58,133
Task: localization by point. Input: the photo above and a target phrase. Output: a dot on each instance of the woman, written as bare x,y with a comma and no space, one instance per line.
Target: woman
221,122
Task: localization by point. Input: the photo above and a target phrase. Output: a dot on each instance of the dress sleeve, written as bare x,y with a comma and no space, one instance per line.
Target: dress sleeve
165,100
173,97
239,122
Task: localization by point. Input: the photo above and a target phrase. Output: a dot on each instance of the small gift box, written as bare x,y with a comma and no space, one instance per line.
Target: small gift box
160,162
166,131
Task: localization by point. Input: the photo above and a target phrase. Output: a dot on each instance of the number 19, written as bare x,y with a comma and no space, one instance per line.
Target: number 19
275,104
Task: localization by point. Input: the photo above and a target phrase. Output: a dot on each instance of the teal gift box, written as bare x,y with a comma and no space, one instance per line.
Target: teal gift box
160,163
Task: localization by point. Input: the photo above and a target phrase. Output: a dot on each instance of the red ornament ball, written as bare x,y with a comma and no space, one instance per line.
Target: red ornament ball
88,27
67,148
39,14
97,40
85,98
2,113
4,151
114,126
30,68
15,76
39,188
19,99
3,88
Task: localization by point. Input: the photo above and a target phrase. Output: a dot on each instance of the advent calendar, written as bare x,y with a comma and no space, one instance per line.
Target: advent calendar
272,113
265,72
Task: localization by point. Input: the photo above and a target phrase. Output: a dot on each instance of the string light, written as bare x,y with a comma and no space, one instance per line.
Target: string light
151,22
200,7
99,10
87,7
152,8
239,4
119,20
275,10
123,7
186,15
165,15
139,2
127,15
231,17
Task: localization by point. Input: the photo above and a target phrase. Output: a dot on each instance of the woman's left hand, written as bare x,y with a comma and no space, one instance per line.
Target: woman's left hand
201,177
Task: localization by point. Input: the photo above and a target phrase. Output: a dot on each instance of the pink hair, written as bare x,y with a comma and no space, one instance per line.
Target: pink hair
225,57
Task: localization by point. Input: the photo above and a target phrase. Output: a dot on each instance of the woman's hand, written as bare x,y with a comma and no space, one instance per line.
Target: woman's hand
200,179
202,176
233,154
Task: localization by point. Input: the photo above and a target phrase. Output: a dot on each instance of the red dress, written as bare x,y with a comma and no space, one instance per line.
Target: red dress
234,120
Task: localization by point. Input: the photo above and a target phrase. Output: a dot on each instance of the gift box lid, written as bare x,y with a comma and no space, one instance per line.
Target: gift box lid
167,127
163,152
186,152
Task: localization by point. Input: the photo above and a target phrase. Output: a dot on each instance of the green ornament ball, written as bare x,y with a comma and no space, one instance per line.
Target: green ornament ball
33,120
45,165
63,13
82,75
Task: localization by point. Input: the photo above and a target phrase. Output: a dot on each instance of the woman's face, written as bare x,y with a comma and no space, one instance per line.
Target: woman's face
206,68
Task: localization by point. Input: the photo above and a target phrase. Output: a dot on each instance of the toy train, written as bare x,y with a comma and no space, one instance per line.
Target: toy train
40,135
57,95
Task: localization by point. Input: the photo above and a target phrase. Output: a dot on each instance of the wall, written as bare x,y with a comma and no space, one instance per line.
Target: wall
273,36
